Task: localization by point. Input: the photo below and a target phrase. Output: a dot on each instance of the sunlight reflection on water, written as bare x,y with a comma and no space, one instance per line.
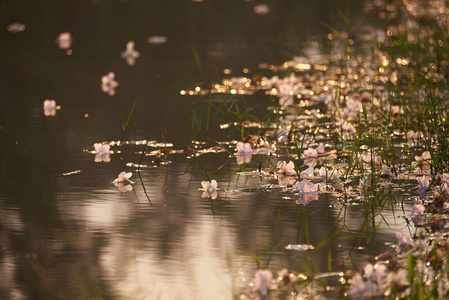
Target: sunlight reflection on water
63,222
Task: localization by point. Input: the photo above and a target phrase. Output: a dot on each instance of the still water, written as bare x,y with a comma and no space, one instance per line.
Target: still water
66,232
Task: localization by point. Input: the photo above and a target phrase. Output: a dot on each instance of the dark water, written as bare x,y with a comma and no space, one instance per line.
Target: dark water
74,235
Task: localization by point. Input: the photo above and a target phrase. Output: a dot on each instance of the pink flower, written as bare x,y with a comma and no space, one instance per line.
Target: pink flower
261,9
123,177
346,126
399,278
64,40
306,187
320,148
423,184
424,157
130,54
424,162
353,107
286,168
102,152
16,27
108,83
49,108
375,158
311,153
210,189
236,82
386,172
286,181
286,94
157,40
262,282
243,148
123,187
305,199
418,210
413,137
402,242
329,175
417,214
244,152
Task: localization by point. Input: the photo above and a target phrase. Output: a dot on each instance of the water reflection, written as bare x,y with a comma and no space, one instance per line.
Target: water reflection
192,268
68,232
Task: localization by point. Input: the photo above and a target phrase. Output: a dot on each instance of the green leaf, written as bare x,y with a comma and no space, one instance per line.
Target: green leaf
259,263
196,57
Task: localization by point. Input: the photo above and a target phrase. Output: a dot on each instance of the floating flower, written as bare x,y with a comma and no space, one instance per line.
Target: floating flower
49,108
123,187
369,158
443,178
365,96
418,209
64,40
402,241
244,152
286,181
306,187
261,9
286,168
210,189
386,172
329,175
314,153
423,184
309,172
404,244
413,137
417,214
424,162
286,94
262,282
157,40
353,107
102,152
320,149
348,127
130,54
272,82
305,199
16,27
124,177
311,153
375,284
108,83
299,247
425,157
244,159
358,286
308,192
399,278
237,82
244,148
